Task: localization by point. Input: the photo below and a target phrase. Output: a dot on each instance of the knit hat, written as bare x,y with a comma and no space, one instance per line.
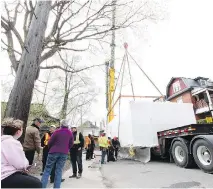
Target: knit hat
65,123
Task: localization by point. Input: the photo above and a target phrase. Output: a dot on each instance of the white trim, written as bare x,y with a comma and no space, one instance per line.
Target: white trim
200,91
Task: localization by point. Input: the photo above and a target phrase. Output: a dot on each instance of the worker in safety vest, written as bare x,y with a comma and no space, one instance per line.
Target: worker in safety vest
88,146
103,144
76,153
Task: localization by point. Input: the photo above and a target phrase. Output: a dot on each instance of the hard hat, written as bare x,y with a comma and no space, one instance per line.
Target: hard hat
74,126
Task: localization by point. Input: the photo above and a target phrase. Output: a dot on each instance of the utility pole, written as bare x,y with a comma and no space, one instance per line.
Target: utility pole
112,65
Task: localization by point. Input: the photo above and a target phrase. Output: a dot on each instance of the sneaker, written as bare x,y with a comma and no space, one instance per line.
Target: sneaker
79,176
73,176
52,181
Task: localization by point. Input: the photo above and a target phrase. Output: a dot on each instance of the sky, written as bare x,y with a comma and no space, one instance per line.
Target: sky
179,46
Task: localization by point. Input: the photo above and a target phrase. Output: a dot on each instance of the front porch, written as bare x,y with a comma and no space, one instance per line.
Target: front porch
203,102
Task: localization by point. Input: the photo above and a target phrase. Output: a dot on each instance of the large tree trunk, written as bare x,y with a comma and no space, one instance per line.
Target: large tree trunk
63,113
18,105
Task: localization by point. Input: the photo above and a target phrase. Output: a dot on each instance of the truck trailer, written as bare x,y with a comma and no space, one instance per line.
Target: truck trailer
187,146
169,130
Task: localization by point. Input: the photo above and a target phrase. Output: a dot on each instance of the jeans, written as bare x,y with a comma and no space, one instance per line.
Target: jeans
20,180
60,160
44,160
103,155
76,158
30,156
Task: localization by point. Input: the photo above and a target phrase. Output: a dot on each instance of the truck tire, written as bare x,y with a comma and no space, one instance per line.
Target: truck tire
203,155
181,156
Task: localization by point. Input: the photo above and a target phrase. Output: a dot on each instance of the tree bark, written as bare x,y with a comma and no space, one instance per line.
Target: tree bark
63,113
20,98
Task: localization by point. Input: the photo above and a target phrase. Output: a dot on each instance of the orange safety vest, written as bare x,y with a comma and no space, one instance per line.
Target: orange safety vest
87,142
47,138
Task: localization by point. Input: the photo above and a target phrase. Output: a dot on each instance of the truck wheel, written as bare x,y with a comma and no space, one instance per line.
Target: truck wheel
180,154
203,155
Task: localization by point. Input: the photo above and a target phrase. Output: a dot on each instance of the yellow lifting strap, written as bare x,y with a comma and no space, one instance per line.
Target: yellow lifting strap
131,151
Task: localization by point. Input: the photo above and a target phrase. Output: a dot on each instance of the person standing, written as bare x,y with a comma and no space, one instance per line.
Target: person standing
103,143
44,144
92,147
76,153
88,147
14,164
116,146
59,144
32,140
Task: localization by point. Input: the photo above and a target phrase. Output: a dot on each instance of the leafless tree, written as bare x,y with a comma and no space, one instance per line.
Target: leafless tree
71,23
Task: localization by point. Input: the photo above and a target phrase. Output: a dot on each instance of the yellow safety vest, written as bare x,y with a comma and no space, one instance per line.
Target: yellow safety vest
47,138
77,141
103,142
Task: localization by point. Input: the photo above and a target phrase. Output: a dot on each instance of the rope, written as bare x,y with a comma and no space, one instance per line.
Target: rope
117,84
130,76
145,74
120,100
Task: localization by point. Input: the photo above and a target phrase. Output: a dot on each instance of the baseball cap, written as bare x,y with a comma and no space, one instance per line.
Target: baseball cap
39,120
53,126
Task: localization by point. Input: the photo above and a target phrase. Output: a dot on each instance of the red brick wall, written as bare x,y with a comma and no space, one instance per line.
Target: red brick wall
182,85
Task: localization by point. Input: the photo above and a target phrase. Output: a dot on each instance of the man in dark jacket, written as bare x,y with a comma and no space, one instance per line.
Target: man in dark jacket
76,153
116,146
92,147
32,140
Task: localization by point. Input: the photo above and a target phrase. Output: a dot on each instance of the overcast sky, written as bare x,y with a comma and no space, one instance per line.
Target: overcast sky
181,45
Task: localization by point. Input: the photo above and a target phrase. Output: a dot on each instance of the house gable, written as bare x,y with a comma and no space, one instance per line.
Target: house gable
175,86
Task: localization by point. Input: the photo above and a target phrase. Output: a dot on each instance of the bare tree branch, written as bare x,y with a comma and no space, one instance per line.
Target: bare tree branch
71,71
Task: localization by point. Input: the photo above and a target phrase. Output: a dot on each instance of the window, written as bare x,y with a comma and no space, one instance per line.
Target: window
180,100
176,86
202,82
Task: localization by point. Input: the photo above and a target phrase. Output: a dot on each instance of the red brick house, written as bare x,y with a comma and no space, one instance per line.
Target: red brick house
198,91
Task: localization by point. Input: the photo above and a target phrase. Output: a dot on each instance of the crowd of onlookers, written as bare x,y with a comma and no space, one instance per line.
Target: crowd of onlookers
57,143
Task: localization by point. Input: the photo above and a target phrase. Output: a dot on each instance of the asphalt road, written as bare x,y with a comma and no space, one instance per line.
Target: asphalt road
130,174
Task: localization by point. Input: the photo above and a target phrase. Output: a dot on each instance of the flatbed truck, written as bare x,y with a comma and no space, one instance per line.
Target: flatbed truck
187,146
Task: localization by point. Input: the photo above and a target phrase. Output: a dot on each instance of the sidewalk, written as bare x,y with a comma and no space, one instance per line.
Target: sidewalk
91,177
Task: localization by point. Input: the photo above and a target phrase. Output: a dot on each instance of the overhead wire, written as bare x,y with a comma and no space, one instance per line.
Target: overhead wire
120,98
130,75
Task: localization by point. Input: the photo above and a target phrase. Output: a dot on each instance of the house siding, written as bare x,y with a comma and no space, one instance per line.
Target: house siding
182,86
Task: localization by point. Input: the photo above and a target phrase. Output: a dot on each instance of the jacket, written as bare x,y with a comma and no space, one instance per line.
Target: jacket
12,156
115,143
81,140
103,142
61,141
44,140
32,140
87,142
